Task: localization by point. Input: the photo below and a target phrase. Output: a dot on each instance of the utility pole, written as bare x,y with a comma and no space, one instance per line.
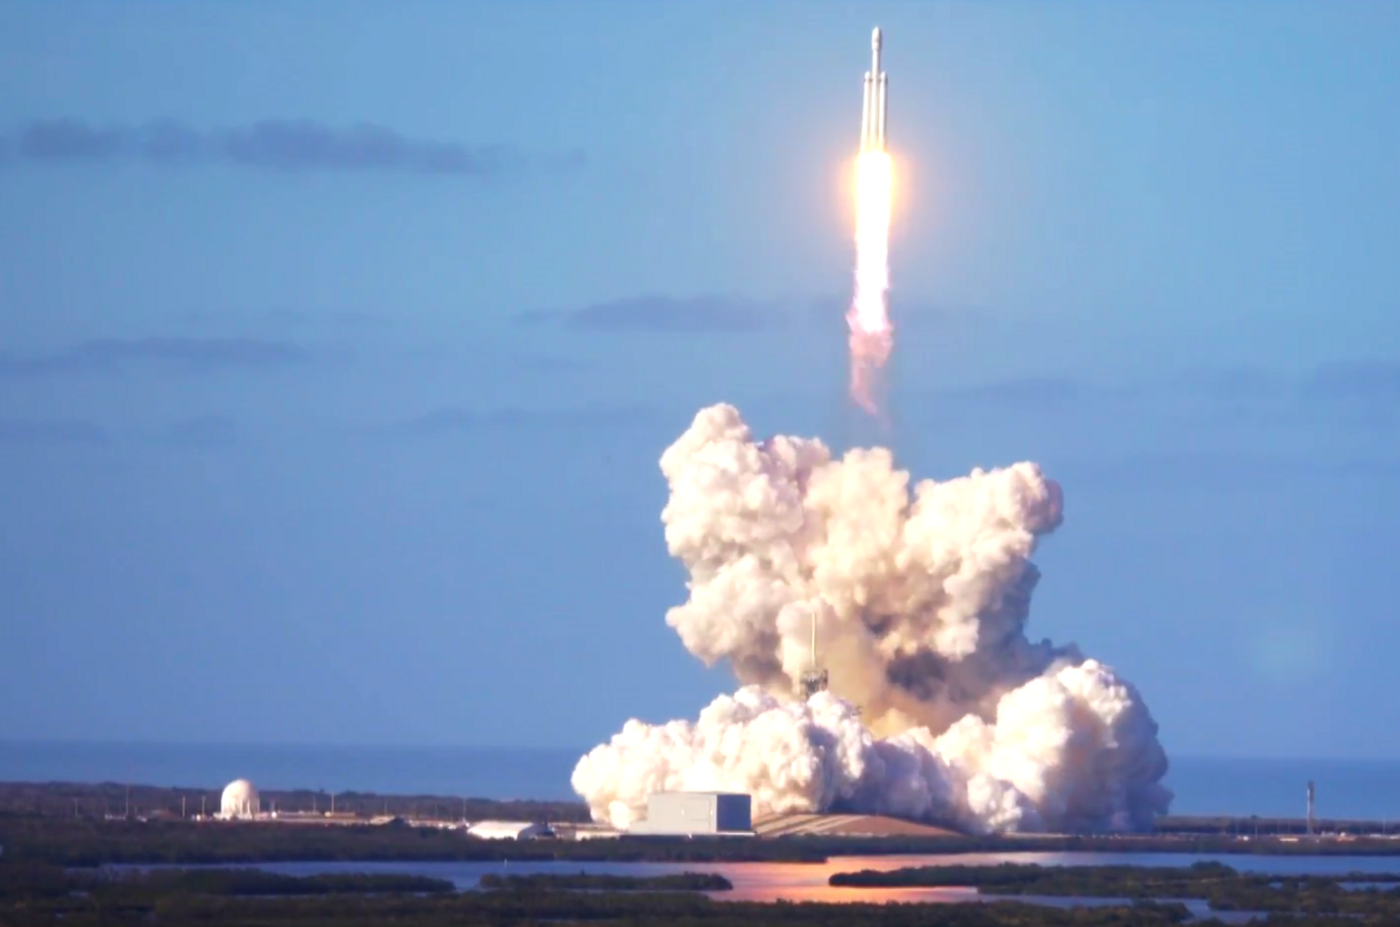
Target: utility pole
1311,795
815,679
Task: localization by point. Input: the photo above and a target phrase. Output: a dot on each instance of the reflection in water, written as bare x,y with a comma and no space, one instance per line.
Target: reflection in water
809,881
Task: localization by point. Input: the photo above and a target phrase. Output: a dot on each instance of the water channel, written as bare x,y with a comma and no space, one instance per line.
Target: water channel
769,882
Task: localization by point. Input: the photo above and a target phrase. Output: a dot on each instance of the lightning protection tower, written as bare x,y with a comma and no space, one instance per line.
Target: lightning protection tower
1312,793
815,679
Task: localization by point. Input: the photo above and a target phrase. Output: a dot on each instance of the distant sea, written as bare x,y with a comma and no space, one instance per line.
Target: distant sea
1345,788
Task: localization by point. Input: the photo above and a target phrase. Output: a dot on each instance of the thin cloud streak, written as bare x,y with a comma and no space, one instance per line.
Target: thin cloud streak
663,314
186,353
52,433
1222,470
1378,380
454,420
204,432
299,145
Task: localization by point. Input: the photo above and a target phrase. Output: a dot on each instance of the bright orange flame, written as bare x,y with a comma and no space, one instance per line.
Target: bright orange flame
872,336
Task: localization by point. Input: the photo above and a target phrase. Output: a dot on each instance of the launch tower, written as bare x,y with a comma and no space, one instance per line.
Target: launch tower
815,679
1312,793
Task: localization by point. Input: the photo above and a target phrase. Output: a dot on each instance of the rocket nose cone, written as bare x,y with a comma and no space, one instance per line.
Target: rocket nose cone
875,38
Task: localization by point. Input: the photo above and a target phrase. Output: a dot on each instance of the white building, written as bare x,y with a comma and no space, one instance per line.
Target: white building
240,801
691,813
507,830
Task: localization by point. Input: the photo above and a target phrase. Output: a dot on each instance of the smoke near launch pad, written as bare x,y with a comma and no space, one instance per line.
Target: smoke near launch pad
940,706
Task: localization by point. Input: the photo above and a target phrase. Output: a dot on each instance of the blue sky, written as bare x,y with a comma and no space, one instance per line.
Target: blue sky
315,434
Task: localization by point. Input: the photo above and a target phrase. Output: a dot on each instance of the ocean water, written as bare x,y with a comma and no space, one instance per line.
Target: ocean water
1203,785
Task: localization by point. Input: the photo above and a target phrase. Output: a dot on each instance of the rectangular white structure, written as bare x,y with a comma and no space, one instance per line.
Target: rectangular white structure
693,813
507,830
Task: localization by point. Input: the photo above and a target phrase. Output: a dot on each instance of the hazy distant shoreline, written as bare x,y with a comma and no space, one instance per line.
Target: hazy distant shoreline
1204,786
107,800
120,802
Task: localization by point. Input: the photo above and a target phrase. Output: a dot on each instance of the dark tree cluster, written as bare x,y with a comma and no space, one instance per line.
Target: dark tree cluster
113,799
34,894
1356,894
92,842
597,882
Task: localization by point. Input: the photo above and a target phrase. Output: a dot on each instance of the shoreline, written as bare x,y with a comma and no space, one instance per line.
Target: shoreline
79,824
111,800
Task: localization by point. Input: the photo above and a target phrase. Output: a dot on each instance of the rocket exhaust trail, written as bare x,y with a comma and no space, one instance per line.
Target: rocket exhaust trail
871,337
918,594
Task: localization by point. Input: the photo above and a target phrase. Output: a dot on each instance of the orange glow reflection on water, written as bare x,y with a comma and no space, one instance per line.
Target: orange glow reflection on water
811,881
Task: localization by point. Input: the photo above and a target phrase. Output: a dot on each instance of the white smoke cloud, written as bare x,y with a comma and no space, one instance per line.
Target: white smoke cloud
920,606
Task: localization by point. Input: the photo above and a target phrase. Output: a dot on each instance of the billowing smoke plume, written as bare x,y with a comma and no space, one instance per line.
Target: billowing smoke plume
940,708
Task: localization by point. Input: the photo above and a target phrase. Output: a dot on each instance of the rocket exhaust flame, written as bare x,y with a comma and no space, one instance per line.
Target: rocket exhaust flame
872,335
918,594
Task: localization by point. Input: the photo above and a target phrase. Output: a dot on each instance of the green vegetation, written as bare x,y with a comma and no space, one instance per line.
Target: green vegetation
584,881
259,883
80,900
91,843
41,894
88,842
1262,825
67,823
1224,888
28,881
100,800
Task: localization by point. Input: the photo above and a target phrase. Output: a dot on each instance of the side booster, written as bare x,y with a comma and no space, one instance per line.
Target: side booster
872,119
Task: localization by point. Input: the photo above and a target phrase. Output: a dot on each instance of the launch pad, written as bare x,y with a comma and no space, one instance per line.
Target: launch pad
815,679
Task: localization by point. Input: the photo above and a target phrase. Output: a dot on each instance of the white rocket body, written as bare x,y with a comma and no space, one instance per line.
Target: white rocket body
872,117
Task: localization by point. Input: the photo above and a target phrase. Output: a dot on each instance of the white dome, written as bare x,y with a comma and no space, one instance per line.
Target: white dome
240,800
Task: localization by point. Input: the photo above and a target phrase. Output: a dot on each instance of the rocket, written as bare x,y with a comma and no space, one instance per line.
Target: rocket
872,118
